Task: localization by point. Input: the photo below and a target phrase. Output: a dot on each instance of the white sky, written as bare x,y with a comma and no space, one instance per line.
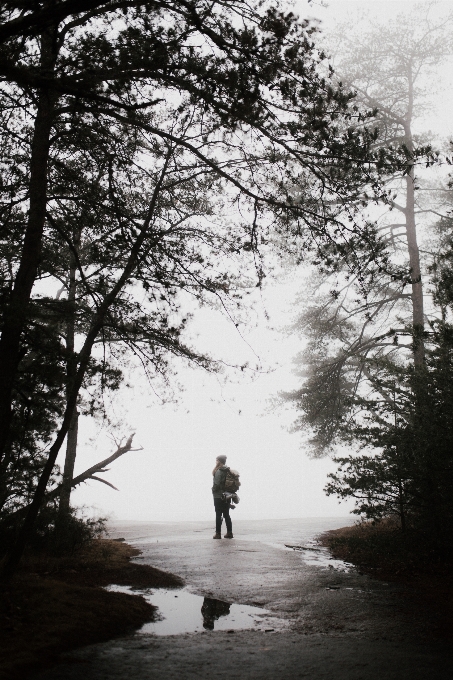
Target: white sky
171,478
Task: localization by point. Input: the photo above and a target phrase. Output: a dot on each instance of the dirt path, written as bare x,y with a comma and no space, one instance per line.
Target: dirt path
334,623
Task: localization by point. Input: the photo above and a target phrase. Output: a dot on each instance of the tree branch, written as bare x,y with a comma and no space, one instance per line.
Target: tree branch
99,467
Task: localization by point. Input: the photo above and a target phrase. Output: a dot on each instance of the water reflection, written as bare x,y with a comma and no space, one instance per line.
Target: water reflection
180,611
212,610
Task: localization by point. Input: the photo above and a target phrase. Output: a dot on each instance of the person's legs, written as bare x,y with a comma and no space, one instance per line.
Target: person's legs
218,521
226,514
218,505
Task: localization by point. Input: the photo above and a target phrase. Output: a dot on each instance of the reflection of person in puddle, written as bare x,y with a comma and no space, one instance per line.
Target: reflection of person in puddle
212,610
221,506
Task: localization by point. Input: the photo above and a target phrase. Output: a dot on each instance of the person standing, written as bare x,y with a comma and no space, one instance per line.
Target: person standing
222,507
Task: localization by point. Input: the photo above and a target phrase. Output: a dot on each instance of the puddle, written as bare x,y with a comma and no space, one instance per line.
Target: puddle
182,612
319,556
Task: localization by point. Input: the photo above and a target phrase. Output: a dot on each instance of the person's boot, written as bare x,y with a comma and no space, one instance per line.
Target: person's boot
229,534
217,535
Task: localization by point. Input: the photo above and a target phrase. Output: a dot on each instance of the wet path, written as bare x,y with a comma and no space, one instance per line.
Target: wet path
328,621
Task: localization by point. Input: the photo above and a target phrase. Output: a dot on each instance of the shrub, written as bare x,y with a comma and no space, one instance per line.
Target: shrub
55,533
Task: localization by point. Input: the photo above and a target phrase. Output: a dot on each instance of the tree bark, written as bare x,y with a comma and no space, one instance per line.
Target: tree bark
16,311
68,471
71,372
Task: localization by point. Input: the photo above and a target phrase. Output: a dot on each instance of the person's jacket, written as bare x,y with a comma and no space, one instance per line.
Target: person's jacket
219,481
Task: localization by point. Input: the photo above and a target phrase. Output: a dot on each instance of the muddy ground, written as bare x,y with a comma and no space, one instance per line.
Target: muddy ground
331,622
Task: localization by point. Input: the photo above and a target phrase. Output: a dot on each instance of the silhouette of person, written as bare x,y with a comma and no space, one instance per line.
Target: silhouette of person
212,610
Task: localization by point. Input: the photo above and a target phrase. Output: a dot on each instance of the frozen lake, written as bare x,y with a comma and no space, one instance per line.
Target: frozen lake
276,532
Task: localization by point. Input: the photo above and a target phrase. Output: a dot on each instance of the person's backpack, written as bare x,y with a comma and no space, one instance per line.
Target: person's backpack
232,482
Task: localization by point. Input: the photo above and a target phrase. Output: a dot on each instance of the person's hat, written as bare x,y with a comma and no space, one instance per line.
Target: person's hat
221,459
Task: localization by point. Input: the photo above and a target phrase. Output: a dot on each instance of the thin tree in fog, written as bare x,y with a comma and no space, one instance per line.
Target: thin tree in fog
353,321
393,69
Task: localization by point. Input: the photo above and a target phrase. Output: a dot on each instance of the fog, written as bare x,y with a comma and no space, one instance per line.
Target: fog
170,477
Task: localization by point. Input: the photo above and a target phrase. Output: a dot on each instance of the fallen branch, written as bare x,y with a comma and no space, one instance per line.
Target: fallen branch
87,475
100,467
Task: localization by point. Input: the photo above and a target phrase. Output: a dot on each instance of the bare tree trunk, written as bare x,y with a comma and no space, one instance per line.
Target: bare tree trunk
71,372
418,318
16,312
68,472
402,510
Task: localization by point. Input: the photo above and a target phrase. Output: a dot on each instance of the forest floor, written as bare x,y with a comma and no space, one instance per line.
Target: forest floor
55,604
330,620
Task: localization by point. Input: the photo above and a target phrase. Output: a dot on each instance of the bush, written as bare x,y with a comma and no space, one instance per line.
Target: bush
53,533
380,548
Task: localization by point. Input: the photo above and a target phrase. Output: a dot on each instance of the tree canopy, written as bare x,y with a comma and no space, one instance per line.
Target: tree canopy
151,150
